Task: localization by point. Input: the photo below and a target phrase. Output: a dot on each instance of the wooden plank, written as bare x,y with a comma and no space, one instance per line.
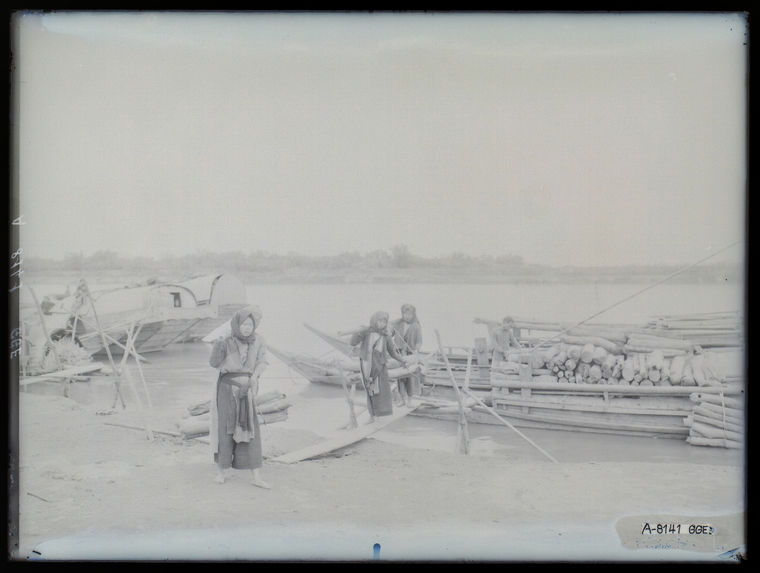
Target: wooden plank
482,417
600,408
68,372
720,442
614,389
594,423
142,428
344,438
717,400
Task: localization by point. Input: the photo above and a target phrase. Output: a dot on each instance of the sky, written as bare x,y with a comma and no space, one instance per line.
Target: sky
566,139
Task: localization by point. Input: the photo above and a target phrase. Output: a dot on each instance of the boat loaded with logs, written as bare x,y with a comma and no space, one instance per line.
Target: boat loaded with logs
678,376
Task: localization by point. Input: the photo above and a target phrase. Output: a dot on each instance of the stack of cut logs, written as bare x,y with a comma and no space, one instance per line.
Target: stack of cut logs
647,356
271,407
639,362
716,420
709,330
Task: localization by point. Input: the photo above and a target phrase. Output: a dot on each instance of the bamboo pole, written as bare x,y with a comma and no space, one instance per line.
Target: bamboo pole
722,410
130,343
352,423
463,438
726,401
117,380
714,432
720,442
468,371
165,432
614,389
591,407
68,372
717,423
723,416
134,354
110,338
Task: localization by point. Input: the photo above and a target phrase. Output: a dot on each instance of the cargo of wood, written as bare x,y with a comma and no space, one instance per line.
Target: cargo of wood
720,443
726,401
718,418
271,407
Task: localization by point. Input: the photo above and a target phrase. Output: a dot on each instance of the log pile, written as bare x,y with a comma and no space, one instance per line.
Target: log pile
596,362
271,406
716,420
669,350
708,330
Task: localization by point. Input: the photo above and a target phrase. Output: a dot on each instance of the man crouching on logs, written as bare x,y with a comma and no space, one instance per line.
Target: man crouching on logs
502,337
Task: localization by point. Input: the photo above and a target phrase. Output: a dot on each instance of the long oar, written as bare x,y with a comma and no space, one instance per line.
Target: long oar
463,437
352,423
518,432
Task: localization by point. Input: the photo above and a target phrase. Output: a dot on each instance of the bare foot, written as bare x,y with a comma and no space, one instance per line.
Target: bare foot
219,478
258,481
371,420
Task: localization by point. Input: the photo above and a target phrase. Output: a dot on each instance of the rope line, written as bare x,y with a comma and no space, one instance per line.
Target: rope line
667,278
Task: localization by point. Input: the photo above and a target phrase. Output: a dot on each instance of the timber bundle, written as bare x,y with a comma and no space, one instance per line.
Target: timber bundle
716,420
271,406
625,379
659,354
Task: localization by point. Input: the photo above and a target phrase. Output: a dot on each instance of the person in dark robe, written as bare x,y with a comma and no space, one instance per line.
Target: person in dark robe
234,432
407,335
376,346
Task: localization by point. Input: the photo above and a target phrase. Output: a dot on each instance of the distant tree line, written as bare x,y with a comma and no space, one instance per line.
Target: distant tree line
396,260
398,257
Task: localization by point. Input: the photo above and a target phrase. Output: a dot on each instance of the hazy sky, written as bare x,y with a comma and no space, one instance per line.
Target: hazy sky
565,139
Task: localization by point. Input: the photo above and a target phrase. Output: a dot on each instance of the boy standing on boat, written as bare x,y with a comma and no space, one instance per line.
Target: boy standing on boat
502,337
376,346
408,339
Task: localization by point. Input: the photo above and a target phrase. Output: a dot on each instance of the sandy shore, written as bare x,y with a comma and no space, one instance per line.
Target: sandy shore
92,487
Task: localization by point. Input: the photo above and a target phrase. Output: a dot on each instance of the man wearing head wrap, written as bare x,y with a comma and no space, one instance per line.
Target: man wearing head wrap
503,337
376,346
234,432
407,336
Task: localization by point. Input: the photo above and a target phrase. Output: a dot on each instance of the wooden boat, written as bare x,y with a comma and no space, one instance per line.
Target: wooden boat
334,371
224,294
160,313
457,356
529,393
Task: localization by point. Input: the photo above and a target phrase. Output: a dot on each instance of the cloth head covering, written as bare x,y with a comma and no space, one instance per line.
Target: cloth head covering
377,317
240,316
405,307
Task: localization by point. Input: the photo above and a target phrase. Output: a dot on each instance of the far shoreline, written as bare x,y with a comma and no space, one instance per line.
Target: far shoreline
381,276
